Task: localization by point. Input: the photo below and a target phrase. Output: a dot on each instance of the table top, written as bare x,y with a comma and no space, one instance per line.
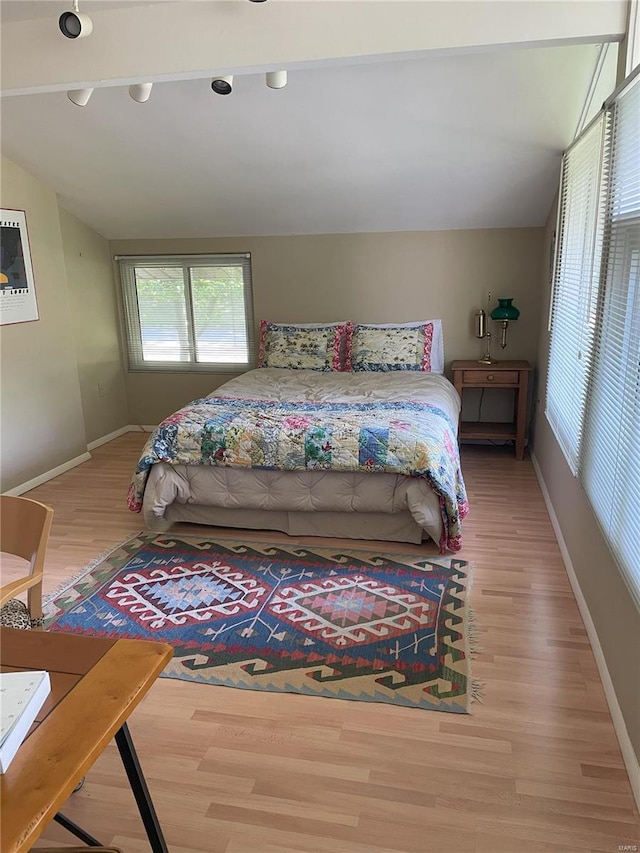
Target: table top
496,365
95,685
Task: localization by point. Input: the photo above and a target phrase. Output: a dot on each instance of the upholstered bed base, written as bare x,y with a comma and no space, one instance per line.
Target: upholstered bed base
356,503
392,527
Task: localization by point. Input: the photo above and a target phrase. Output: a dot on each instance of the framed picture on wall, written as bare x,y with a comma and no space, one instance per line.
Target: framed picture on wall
17,288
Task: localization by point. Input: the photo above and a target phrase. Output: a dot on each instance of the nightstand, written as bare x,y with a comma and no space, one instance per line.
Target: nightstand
502,374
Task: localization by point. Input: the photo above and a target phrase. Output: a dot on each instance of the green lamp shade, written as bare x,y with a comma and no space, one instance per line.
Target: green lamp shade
505,310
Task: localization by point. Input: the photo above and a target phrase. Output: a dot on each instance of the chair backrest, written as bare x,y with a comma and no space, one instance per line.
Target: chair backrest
24,529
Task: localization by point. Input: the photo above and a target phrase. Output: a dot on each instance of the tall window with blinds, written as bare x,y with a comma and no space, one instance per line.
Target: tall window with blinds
190,313
576,285
593,386
610,465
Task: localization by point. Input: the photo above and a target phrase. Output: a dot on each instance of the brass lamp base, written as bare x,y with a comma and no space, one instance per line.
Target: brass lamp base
486,358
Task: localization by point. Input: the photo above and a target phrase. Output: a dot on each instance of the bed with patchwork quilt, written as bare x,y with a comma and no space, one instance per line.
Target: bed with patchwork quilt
355,455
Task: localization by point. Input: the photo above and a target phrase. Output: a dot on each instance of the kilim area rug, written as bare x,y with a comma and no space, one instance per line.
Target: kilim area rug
348,624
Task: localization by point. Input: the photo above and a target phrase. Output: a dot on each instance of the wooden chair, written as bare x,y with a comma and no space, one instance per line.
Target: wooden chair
25,525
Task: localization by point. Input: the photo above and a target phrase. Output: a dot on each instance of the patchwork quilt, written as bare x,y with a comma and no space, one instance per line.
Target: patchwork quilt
413,438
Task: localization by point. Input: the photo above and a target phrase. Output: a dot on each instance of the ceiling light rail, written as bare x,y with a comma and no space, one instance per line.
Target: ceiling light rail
141,92
77,25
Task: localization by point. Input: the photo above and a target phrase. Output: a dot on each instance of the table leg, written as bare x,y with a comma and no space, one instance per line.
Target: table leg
521,417
76,830
140,790
457,384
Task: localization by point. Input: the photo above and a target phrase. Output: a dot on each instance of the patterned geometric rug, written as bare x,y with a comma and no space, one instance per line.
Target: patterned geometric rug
323,622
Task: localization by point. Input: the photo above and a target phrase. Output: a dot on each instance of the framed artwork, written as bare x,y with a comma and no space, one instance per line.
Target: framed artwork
17,288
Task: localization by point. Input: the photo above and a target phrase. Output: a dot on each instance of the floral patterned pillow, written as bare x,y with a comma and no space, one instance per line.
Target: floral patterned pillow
408,346
301,347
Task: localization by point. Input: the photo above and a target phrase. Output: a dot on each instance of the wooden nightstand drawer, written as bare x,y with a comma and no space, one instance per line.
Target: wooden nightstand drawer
490,377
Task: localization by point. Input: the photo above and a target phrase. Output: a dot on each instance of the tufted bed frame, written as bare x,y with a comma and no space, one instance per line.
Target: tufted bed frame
344,504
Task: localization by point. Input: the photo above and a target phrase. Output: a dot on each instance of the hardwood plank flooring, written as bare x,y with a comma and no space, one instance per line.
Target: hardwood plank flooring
536,768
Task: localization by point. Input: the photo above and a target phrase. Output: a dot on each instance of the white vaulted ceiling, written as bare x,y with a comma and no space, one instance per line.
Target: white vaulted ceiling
440,142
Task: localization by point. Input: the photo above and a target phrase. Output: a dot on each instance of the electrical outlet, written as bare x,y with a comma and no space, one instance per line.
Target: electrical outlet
101,390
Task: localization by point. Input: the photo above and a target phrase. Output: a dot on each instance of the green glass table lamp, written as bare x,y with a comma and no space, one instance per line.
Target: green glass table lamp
504,314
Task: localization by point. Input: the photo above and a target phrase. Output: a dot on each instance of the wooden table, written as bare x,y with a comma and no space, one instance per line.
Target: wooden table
95,685
500,374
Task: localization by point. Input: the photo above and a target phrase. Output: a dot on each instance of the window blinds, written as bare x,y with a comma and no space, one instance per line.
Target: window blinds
610,470
575,289
188,313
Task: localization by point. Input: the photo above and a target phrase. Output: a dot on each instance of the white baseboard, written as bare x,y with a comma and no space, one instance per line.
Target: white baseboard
48,475
148,427
628,753
115,434
78,460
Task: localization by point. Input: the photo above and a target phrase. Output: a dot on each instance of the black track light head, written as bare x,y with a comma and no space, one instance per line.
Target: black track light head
222,85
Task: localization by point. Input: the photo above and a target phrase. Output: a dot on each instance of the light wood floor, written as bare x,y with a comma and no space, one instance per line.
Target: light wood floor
536,767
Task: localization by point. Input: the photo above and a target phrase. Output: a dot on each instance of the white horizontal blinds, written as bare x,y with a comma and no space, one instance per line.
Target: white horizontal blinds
575,287
162,307
611,458
188,313
218,300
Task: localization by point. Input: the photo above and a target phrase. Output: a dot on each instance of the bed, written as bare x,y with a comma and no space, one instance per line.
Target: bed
363,455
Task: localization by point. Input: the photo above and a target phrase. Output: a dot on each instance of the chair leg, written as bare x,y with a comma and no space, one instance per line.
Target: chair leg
34,604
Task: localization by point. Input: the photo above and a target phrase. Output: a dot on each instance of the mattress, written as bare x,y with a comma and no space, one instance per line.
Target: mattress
223,494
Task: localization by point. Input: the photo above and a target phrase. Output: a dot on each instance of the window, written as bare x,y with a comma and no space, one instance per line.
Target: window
593,385
188,313
575,289
610,467
633,36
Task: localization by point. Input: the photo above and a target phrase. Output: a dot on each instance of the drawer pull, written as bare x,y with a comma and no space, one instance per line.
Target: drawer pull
490,377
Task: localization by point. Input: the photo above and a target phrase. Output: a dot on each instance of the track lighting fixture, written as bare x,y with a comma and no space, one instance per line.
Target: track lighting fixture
140,92
75,25
80,97
276,79
222,85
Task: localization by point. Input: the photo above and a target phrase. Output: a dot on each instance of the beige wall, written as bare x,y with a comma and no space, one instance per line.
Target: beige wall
95,321
41,420
615,616
367,278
